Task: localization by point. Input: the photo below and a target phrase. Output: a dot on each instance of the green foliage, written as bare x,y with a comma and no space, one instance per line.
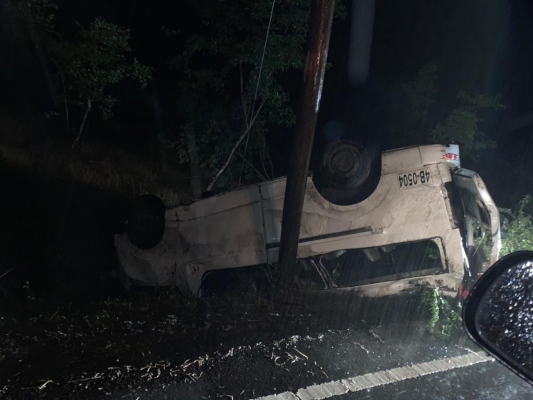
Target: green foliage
482,237
228,88
221,64
462,125
445,313
517,228
408,117
409,122
96,62
421,91
29,20
90,65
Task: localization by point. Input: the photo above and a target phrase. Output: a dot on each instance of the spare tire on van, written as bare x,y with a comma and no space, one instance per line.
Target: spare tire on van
345,171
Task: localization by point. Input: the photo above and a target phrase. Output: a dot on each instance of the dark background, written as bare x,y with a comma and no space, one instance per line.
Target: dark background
59,210
479,46
53,224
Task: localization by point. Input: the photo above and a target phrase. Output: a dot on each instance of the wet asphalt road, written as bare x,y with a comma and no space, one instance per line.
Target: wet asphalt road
364,341
297,362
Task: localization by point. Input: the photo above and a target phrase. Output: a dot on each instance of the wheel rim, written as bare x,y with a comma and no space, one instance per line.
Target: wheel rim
346,161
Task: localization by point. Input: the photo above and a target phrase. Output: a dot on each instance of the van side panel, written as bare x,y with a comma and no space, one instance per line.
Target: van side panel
221,232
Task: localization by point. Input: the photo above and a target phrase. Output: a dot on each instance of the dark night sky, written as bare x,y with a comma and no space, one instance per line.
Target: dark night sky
481,45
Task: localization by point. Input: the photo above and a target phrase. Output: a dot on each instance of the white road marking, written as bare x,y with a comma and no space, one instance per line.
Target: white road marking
367,381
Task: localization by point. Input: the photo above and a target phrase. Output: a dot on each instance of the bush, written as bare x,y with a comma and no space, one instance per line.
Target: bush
445,313
516,227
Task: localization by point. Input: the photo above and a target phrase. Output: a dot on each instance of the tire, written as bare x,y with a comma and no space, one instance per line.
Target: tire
344,172
146,221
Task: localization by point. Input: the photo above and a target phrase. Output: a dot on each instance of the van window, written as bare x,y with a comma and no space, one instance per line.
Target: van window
354,267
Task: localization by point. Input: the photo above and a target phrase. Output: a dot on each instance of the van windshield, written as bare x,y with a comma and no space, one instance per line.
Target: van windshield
481,222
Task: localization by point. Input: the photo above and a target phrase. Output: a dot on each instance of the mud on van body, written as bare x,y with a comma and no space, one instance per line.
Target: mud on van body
415,224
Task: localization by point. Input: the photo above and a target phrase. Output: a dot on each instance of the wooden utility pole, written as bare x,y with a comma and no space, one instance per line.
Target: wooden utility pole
315,67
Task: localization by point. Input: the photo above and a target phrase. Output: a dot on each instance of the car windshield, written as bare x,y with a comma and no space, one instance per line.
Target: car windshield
258,199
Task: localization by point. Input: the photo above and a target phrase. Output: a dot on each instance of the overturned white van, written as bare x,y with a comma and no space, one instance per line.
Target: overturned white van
414,225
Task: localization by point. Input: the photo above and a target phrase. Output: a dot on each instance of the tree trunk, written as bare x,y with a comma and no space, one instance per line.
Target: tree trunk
80,132
65,103
161,136
67,122
46,72
162,151
193,162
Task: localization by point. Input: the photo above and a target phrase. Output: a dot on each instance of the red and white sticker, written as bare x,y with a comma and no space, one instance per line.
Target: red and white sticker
451,157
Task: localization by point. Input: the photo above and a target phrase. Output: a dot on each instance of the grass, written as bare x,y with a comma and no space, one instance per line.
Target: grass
445,314
107,167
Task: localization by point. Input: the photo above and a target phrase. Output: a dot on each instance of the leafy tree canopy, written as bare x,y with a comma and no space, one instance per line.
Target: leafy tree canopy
88,67
462,125
30,20
413,118
95,62
235,85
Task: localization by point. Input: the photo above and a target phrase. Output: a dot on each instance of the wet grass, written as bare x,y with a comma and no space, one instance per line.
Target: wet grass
103,167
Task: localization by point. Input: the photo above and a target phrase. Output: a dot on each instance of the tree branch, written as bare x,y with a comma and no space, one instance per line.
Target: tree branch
252,167
271,164
64,94
262,162
239,141
242,98
87,110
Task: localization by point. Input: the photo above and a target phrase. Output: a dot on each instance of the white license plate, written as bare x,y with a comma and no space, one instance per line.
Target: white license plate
413,179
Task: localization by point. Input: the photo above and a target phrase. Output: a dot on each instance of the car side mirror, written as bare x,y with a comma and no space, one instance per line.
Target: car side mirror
498,313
